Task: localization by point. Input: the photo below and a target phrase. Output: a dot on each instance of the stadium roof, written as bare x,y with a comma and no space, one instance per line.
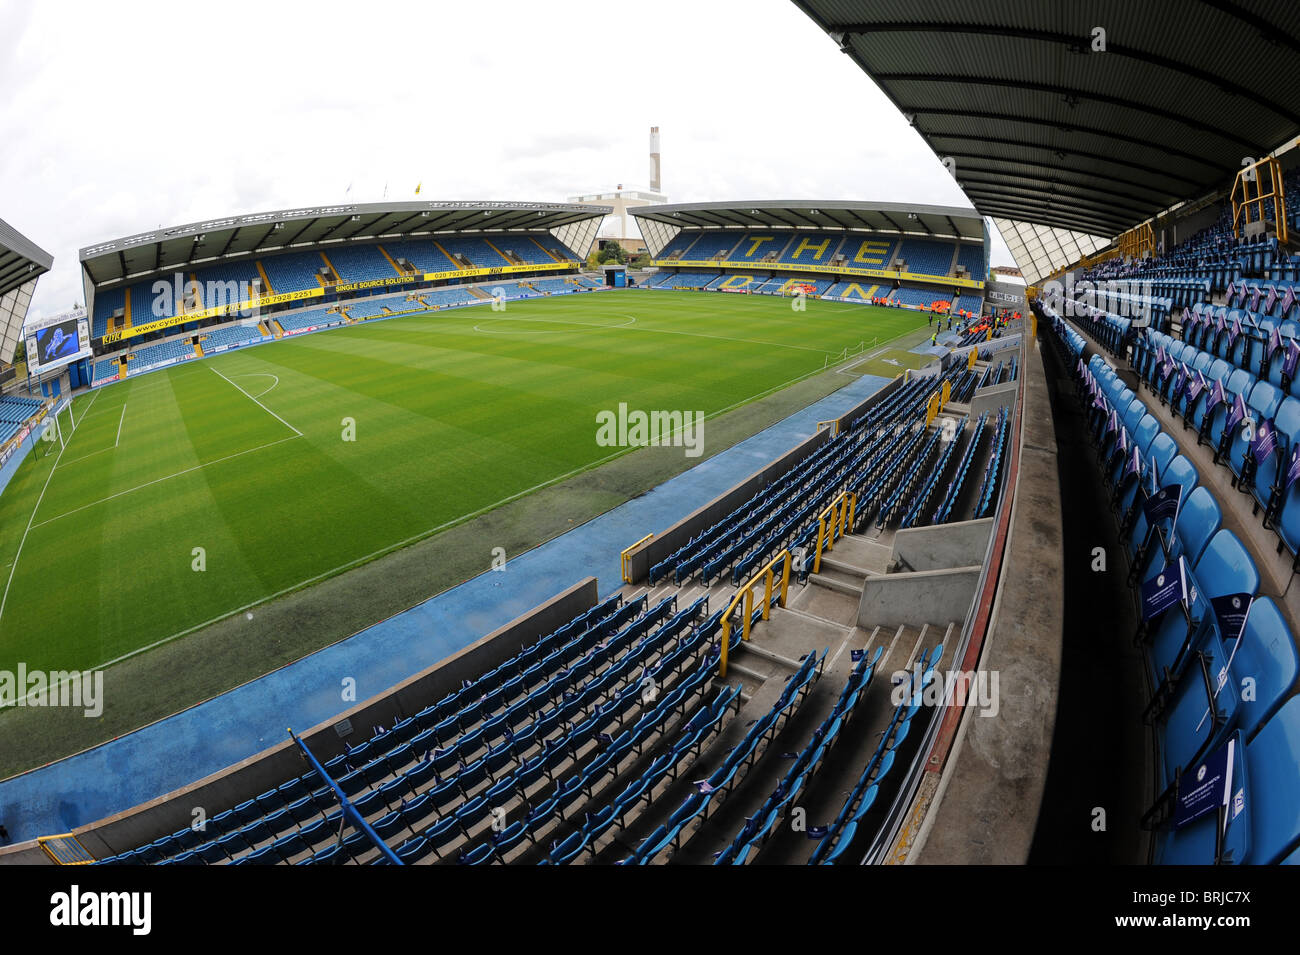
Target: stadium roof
21,260
1044,130
199,243
940,221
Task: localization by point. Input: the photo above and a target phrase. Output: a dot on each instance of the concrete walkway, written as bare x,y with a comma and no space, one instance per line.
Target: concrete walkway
206,738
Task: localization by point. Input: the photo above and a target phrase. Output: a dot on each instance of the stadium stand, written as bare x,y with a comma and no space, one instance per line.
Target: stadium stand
155,356
293,272
15,411
361,263
479,252
1218,626
441,298
927,257
424,255
311,318
230,336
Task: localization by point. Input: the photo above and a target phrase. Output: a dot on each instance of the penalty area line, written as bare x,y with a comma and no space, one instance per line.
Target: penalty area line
296,432
140,487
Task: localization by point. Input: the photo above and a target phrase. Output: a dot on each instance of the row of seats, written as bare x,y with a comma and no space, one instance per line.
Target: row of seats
298,271
838,837
105,370
15,409
14,413
951,494
1198,649
683,683
231,336
931,474
824,287
1278,300
1000,373
585,670
712,791
154,355
441,724
905,474
747,844
698,246
921,256
696,730
986,496
788,504
1252,426
311,318
1138,304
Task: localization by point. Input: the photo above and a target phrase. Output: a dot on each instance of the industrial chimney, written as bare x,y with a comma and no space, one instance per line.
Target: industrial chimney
654,159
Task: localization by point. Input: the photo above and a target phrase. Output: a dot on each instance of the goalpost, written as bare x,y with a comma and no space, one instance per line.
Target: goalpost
55,428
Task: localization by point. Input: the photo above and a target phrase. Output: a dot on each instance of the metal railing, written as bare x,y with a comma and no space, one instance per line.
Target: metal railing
746,595
834,521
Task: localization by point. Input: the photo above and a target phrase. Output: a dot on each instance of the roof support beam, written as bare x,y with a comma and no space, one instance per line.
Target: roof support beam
1221,170
1029,186
307,224
1036,217
1270,32
978,161
1068,93
1080,45
1012,209
1083,209
1062,154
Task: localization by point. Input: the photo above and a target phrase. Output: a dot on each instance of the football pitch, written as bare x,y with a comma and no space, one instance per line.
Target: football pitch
186,495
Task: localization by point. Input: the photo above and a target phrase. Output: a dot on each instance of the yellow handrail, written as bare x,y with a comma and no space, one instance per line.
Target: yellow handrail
67,849
840,513
1244,204
626,559
747,594
834,426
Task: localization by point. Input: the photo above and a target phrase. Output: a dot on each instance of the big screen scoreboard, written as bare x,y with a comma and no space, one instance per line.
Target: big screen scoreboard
57,340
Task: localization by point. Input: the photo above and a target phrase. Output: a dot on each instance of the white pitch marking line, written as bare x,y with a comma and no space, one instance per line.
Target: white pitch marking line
258,403
77,421
261,374
113,447
642,328
85,456
49,477
140,487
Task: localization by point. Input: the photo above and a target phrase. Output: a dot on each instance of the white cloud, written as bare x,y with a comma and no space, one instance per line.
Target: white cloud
123,117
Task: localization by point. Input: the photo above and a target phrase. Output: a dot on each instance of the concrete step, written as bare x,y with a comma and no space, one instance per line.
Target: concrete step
865,555
827,604
837,580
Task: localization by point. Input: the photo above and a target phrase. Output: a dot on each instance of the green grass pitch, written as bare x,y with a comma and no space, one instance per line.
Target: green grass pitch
244,454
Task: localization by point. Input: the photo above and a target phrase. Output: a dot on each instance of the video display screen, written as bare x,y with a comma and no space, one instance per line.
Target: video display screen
57,342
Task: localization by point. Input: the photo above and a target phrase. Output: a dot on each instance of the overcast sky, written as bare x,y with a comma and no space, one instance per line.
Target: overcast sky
123,117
